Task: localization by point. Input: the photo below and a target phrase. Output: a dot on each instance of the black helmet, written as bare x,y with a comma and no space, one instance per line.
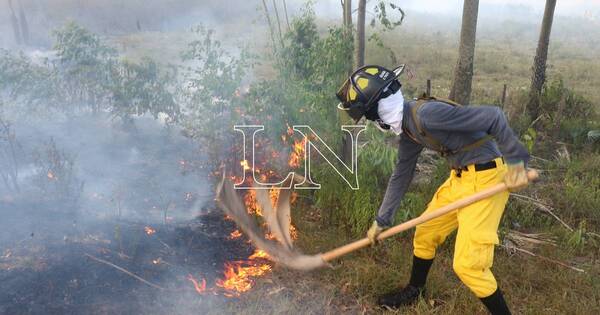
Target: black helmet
364,88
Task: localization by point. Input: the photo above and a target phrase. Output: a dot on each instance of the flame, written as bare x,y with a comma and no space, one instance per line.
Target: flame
200,287
297,154
259,253
251,203
238,278
149,230
244,164
235,234
51,175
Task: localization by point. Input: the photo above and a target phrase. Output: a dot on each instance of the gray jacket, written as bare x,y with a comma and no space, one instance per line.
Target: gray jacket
454,127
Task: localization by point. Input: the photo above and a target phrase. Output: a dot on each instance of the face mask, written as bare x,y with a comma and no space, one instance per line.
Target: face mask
390,111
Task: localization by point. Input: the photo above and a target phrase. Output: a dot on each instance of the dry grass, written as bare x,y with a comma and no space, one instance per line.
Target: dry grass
531,286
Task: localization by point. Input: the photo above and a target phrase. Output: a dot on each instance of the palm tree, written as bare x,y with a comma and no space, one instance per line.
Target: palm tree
539,62
463,73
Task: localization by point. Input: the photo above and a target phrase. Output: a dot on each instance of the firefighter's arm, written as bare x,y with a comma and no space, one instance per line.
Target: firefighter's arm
408,153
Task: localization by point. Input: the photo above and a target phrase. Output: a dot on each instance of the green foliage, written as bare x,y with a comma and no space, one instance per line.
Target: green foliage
381,15
577,118
581,192
25,83
75,46
310,69
211,95
576,106
139,88
529,139
86,75
84,67
356,209
578,238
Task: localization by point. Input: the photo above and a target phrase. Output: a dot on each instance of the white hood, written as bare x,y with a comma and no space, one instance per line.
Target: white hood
390,111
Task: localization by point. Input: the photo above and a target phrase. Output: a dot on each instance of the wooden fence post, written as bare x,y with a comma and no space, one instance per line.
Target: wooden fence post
428,91
503,96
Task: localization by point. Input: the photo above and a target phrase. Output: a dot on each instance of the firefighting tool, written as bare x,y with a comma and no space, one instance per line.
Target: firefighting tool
278,219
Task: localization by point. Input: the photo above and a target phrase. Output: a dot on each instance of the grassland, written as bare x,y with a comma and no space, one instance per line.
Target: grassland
532,285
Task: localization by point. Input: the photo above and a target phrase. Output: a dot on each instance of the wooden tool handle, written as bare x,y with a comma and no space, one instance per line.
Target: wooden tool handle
348,248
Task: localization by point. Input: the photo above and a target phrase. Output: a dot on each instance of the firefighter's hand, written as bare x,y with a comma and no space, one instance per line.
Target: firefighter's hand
516,177
373,231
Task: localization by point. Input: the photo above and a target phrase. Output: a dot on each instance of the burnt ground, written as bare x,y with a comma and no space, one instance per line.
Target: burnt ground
48,271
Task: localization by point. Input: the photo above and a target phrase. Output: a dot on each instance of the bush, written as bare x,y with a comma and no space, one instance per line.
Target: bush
356,209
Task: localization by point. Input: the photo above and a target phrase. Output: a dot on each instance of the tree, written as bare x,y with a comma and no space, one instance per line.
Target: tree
347,20
24,25
463,73
359,48
15,23
539,62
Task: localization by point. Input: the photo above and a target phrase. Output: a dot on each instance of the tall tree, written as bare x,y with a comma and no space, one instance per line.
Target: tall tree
359,44
271,29
348,32
287,20
278,20
539,62
463,73
24,25
15,23
347,15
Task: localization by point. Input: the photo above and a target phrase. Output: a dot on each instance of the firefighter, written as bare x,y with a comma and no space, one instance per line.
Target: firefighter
482,151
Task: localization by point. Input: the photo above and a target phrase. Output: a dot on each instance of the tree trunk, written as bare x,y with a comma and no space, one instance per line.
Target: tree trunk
539,62
15,24
348,36
271,30
347,15
347,11
359,46
278,22
287,20
463,73
24,25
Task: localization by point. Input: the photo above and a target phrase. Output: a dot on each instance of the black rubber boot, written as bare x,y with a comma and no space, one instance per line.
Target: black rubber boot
415,288
495,303
420,270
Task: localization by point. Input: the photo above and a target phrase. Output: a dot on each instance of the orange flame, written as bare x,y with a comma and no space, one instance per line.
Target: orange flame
235,234
244,164
149,230
259,254
238,278
51,175
297,154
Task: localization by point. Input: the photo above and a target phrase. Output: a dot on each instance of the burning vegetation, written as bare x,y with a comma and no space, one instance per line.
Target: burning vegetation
131,261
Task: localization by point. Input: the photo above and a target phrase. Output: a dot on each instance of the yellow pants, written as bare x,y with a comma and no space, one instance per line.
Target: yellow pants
477,227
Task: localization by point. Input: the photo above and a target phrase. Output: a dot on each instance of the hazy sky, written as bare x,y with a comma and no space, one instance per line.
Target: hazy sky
454,7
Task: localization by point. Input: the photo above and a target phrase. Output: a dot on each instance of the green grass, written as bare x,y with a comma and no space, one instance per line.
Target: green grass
531,285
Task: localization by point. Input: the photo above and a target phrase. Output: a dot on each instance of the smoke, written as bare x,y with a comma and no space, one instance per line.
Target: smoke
138,172
135,194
